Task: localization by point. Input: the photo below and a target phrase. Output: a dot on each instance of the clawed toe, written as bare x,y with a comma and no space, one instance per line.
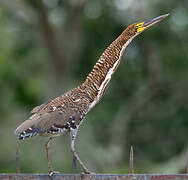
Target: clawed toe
88,172
52,172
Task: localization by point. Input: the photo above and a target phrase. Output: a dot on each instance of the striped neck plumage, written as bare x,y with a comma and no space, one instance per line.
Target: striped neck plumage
101,74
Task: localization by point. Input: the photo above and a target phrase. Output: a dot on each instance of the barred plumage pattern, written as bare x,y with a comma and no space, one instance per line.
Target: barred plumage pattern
107,64
52,117
65,113
56,113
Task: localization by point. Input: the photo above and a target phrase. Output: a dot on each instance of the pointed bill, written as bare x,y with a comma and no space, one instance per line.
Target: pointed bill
144,25
154,20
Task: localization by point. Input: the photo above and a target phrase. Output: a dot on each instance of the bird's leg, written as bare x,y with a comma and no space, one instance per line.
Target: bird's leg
74,164
73,133
51,171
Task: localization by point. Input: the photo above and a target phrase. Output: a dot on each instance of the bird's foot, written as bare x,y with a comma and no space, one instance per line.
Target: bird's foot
52,172
88,172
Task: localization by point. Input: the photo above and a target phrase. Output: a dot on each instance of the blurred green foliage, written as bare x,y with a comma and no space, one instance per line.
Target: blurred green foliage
48,47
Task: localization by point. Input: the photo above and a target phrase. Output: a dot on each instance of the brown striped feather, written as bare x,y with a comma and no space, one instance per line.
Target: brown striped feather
67,111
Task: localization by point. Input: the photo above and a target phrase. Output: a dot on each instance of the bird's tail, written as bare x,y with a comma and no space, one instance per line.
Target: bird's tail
30,132
27,128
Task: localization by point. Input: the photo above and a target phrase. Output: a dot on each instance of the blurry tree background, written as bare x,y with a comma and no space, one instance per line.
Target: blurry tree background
49,46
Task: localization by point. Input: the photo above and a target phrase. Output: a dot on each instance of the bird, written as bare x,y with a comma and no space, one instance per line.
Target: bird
64,114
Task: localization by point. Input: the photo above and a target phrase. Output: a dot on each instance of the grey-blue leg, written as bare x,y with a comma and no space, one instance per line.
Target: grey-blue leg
73,133
51,171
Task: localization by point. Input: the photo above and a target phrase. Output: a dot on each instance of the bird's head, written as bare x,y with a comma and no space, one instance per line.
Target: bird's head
136,28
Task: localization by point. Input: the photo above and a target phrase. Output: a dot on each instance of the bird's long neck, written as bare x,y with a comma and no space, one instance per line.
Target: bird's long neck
100,76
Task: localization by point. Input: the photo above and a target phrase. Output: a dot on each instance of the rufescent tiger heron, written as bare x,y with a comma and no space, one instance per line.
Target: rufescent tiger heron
65,113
